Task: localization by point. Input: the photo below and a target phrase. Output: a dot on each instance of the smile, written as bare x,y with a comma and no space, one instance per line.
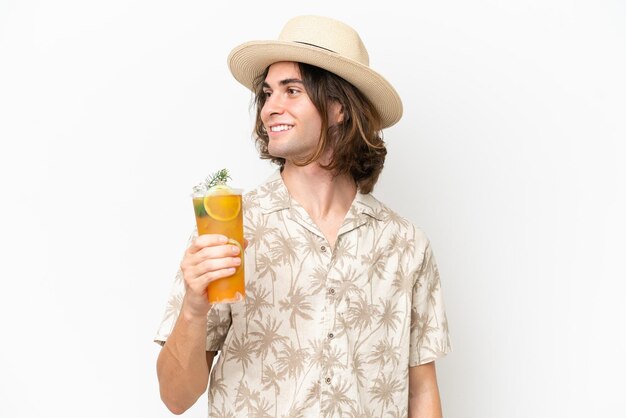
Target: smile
280,128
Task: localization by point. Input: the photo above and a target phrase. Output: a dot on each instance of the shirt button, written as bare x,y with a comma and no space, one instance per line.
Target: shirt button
331,291
331,335
327,380
323,248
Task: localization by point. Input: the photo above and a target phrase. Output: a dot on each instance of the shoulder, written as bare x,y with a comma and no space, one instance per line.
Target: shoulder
263,188
393,222
265,193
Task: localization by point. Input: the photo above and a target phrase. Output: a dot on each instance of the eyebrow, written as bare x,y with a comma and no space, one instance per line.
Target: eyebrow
285,82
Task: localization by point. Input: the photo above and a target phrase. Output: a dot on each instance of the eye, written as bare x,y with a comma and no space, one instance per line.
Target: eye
293,91
267,94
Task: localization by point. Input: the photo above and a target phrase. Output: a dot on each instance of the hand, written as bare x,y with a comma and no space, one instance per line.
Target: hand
208,258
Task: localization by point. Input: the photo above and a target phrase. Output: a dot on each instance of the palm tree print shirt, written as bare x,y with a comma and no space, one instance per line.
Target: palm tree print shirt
323,332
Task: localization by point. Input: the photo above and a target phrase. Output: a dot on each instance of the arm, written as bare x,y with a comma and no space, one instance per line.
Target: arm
424,399
184,364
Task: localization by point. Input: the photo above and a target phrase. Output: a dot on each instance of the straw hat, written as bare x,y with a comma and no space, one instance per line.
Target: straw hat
324,43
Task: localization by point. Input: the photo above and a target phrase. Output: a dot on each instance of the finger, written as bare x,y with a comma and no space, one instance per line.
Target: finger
200,283
218,274
215,264
209,258
193,266
206,240
245,243
219,251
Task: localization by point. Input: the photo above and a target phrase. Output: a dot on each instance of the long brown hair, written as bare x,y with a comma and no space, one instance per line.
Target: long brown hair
357,143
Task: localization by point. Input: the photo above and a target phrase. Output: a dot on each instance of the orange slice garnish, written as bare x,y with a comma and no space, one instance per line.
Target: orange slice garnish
221,204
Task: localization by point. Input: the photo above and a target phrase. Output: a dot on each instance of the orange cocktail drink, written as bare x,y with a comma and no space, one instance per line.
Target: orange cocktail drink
219,211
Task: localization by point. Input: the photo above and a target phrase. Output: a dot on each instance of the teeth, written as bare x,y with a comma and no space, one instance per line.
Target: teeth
279,128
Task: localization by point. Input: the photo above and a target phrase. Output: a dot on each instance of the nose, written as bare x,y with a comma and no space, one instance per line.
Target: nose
273,106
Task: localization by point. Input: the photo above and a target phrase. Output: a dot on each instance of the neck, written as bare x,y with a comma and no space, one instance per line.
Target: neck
318,190
325,197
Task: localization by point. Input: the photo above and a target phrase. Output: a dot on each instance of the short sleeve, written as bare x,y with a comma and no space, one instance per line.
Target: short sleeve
430,338
218,320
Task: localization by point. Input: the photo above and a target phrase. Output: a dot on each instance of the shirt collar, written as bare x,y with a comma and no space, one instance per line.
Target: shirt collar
369,205
274,196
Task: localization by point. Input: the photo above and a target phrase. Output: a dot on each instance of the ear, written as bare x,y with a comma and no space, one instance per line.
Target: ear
335,113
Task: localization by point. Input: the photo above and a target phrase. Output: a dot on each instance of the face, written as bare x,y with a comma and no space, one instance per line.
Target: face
291,120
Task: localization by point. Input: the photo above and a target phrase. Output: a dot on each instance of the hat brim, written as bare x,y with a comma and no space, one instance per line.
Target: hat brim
249,60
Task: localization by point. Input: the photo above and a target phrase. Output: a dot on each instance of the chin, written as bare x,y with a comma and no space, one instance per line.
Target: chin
274,152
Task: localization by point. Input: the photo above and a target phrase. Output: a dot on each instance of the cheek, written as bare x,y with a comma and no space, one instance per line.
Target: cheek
315,120
263,114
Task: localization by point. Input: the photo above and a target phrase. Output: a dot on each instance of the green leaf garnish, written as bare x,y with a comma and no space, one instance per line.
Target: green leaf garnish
219,177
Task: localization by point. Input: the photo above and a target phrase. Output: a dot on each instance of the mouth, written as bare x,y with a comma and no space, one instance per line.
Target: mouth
280,128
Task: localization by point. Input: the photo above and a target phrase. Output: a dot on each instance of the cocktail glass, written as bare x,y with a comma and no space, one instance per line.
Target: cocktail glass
219,211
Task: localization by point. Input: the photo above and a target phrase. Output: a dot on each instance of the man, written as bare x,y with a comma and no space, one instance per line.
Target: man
343,315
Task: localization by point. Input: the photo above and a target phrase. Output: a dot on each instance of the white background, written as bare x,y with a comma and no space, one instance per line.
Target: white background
510,156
